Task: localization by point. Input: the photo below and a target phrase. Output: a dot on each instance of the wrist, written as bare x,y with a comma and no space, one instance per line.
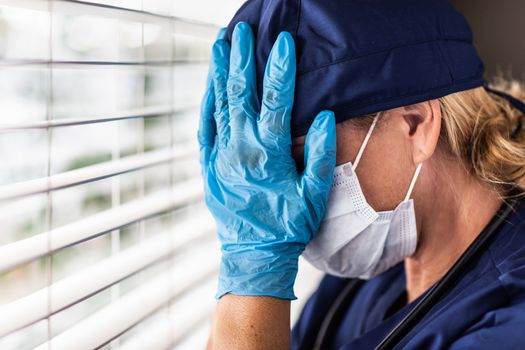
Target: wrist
257,271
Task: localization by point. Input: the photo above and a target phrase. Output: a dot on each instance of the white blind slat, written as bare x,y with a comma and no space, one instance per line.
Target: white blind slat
28,249
114,319
130,114
96,172
185,316
82,284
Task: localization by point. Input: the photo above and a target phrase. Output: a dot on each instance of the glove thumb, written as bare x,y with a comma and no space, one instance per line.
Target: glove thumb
319,159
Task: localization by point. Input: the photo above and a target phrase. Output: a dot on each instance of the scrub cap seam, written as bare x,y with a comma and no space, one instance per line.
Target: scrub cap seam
444,57
345,59
446,60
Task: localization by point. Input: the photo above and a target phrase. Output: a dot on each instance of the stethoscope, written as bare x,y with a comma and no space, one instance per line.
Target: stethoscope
435,293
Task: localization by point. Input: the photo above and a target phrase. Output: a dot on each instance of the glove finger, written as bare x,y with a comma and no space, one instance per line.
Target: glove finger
242,82
221,35
278,94
207,128
319,158
220,67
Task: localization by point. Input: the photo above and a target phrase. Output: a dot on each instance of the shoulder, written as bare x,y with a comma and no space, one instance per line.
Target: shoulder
498,329
503,326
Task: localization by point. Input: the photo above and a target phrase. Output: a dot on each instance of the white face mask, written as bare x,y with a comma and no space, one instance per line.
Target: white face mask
354,240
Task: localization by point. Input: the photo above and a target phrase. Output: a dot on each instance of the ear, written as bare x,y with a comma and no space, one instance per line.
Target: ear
423,126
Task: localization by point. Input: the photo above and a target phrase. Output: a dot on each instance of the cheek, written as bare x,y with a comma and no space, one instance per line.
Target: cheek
348,143
385,171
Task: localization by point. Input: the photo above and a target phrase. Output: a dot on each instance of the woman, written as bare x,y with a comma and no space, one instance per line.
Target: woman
411,162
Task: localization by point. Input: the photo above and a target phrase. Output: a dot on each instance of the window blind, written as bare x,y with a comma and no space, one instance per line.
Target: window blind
105,242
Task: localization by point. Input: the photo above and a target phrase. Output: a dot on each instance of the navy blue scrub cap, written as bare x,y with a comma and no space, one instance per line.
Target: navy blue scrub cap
357,57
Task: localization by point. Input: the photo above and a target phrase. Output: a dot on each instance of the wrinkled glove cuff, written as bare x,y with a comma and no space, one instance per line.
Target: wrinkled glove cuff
260,272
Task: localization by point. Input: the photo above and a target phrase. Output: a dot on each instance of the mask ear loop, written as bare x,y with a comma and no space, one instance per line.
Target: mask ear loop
413,182
365,142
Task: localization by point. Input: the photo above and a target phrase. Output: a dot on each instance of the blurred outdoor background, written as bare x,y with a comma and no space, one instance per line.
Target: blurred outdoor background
105,242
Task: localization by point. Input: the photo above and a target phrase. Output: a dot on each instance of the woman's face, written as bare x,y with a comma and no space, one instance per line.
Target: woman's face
387,166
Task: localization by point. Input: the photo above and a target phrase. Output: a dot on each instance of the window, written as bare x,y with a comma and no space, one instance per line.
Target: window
105,239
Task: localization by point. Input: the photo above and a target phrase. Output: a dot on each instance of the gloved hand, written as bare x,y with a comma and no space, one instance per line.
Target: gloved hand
266,212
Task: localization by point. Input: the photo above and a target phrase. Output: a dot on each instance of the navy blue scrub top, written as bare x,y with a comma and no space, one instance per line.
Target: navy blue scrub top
484,310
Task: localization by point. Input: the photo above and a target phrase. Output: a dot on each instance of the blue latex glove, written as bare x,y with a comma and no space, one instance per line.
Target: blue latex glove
266,212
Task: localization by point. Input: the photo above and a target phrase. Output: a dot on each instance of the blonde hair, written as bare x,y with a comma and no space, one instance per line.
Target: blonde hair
485,131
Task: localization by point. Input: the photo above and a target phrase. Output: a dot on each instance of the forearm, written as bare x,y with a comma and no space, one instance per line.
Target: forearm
245,322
